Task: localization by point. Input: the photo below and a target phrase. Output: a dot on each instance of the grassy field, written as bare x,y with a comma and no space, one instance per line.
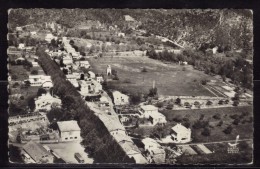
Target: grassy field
244,127
170,79
188,117
19,71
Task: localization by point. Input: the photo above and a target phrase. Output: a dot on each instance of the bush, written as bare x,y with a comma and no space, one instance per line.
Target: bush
203,82
115,78
178,101
236,103
206,132
220,123
217,116
159,104
234,116
169,106
228,130
236,121
209,103
16,85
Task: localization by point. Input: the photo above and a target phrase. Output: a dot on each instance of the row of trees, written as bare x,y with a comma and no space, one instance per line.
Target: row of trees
237,68
96,138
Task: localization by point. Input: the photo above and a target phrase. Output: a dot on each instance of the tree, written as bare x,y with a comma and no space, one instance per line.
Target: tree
31,103
178,101
217,116
209,103
41,91
228,130
152,92
236,103
71,42
206,132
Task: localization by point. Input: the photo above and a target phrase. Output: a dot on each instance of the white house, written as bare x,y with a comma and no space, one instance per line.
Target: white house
99,79
47,85
155,151
49,37
69,130
91,74
46,102
33,33
35,64
67,60
21,46
180,134
18,28
214,50
84,88
120,34
83,63
151,112
96,86
38,80
120,98
146,110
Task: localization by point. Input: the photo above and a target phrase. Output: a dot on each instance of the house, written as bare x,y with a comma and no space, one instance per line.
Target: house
49,37
38,80
146,110
84,87
47,85
67,60
157,118
33,152
215,50
35,64
69,130
184,63
151,112
46,102
180,134
128,18
97,87
120,34
99,78
18,28
21,46
83,63
103,102
120,98
33,33
20,59
156,154
91,74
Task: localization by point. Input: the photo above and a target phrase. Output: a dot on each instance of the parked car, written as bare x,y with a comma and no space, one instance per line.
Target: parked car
79,158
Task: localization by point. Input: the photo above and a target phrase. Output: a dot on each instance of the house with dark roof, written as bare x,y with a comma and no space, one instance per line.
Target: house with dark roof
33,152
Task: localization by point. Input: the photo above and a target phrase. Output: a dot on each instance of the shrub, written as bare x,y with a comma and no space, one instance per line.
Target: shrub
236,121
220,123
206,132
169,106
15,85
228,130
22,97
217,116
115,78
178,101
236,103
159,104
209,103
234,116
203,82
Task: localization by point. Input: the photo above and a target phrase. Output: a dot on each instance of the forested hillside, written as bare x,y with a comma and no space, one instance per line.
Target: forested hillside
228,29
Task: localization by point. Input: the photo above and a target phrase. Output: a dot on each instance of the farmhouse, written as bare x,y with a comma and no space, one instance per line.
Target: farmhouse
180,134
38,80
120,98
99,78
46,102
21,46
33,152
155,151
49,37
33,33
69,130
91,74
35,64
145,110
83,63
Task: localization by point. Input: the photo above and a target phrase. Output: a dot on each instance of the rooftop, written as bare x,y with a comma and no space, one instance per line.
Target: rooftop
68,126
149,107
180,128
36,151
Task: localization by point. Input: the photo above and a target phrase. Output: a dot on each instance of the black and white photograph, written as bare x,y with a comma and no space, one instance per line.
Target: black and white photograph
130,86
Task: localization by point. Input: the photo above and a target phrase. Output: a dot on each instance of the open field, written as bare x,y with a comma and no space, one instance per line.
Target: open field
244,128
170,79
189,117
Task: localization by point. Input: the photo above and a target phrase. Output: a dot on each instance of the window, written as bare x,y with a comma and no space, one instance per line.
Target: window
66,138
71,137
75,137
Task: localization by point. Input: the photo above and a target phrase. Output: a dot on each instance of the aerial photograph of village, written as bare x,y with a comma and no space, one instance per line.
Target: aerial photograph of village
130,86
